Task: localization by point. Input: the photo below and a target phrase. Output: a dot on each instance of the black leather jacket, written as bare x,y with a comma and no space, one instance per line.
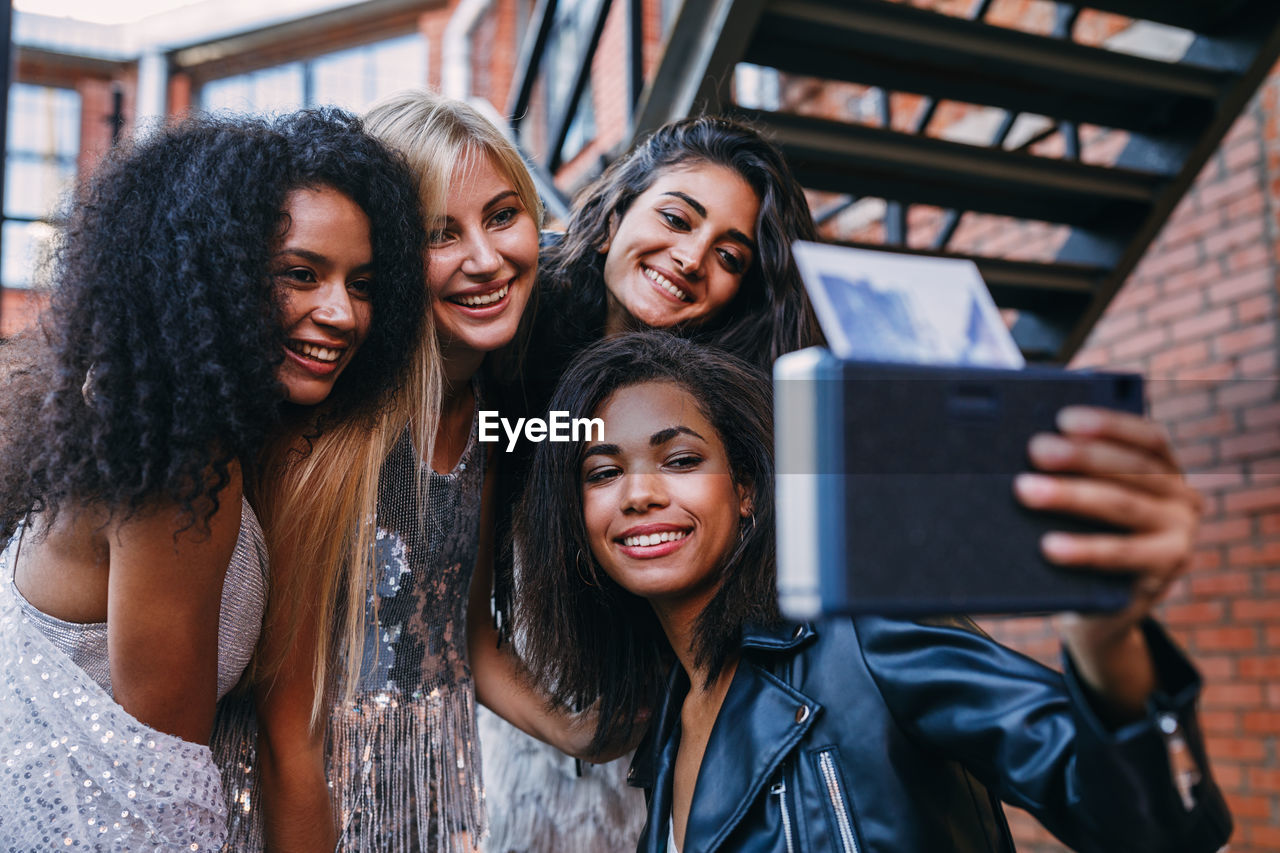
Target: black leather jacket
875,735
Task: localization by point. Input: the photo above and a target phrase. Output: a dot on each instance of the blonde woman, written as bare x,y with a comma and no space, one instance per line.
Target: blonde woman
416,645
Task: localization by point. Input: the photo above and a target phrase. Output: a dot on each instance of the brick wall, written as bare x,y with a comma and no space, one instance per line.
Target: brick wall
1199,317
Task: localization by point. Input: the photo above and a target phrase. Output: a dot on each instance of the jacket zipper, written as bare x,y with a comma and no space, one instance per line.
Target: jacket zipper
780,789
828,767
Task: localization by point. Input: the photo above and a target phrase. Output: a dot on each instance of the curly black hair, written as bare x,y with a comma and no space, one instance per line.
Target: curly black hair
158,354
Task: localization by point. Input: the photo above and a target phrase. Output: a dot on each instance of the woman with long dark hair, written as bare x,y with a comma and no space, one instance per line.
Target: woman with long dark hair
219,283
691,231
656,591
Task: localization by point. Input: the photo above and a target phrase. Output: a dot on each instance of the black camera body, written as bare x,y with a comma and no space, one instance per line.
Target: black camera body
895,488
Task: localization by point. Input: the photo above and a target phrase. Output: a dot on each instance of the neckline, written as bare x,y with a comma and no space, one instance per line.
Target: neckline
473,434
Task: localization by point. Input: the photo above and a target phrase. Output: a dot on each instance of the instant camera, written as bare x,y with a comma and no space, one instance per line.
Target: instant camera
898,445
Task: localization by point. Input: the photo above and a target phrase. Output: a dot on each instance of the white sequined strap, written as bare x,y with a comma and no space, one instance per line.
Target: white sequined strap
79,770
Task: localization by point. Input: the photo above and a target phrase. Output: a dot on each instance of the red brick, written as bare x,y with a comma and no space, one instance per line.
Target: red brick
1113,326
1245,125
1269,525
1213,480
1259,667
1250,610
1241,805
1255,309
1229,774
1257,555
1226,639
1230,530
1208,559
1140,344
1265,838
1242,340
1182,228
1194,613
1196,456
1179,405
1172,260
1214,668
1250,444
1264,780
1226,723
1176,308
1264,471
1241,154
1260,722
1219,371
1258,365
1250,205
1168,362
1242,392
1244,233
1262,417
1251,500
1242,696
1196,278
1219,423
1247,258
1233,287
1205,323
1232,188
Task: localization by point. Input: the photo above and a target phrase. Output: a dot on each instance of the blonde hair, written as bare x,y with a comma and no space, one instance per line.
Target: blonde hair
437,134
318,501
320,492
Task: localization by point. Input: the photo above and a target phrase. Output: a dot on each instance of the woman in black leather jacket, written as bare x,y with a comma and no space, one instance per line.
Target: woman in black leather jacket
654,543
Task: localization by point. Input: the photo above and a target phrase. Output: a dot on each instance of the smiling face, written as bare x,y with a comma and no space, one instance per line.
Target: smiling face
680,252
322,267
481,263
660,506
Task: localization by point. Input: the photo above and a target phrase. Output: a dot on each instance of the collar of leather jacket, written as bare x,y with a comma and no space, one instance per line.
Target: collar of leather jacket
770,699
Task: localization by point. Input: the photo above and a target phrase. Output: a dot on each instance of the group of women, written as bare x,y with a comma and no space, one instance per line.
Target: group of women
246,505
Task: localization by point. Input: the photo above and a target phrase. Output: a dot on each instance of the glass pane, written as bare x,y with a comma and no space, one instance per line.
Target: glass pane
33,187
44,120
338,79
26,247
355,79
398,64
271,90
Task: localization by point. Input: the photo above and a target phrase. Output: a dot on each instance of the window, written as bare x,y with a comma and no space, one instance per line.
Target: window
566,43
40,166
353,79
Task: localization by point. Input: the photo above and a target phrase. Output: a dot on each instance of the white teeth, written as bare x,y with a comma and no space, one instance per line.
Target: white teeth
487,299
654,538
666,284
315,352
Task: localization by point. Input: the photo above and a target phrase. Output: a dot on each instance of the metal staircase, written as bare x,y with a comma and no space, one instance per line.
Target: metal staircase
1172,112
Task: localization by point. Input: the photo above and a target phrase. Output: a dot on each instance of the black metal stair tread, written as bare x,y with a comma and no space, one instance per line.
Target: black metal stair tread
869,161
1200,15
899,47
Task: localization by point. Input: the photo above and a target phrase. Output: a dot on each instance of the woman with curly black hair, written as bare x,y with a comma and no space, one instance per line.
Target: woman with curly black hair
220,284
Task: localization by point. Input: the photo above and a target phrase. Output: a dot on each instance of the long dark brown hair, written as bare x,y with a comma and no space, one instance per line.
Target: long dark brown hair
770,314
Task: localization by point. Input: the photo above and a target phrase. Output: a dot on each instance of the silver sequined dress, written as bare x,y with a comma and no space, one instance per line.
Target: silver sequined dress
404,763
78,772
